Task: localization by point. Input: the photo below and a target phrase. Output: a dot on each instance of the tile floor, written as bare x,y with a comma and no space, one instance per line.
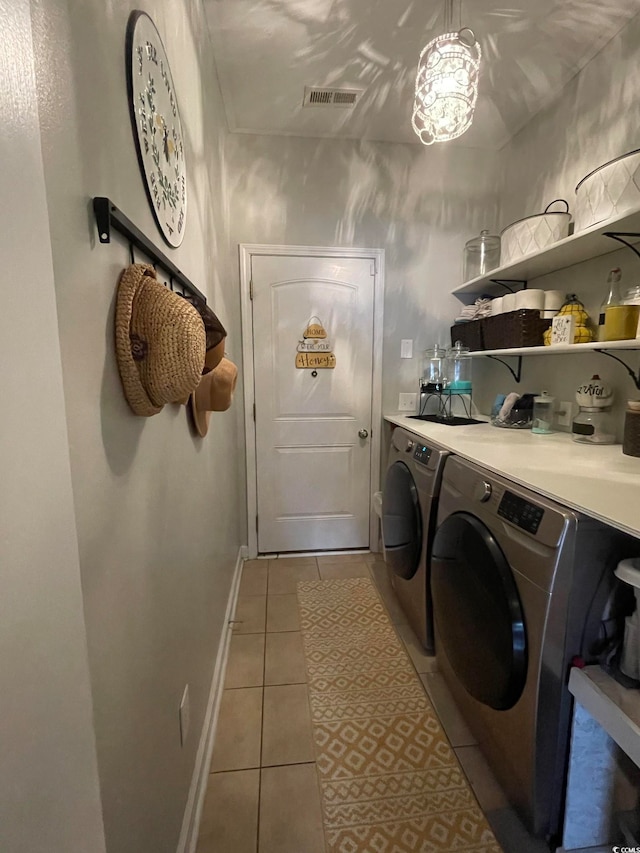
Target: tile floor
263,794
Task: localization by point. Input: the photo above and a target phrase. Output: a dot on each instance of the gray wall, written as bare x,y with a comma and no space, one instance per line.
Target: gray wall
159,512
419,204
595,119
49,792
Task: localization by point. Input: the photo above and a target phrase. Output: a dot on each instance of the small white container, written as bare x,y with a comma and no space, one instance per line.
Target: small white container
534,233
496,306
508,303
530,299
609,191
629,572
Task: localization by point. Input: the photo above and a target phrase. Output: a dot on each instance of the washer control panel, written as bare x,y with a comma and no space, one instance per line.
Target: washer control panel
520,512
422,453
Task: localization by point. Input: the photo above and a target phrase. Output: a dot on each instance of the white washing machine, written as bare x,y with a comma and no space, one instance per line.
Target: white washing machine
518,584
409,506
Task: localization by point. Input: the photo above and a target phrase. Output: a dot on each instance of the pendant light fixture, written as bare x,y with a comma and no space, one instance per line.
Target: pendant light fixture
446,84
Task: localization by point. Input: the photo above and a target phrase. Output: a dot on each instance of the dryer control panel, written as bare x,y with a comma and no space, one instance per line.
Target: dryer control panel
520,512
422,453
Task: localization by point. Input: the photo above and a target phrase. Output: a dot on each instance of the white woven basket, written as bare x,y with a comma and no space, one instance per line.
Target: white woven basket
609,191
534,233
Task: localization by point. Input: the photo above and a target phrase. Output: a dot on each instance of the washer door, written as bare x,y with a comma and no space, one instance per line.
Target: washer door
478,615
401,521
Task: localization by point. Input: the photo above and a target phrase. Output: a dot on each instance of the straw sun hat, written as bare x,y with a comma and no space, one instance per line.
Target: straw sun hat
213,394
160,342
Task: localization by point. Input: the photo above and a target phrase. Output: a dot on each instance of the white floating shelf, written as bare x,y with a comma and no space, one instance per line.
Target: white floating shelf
560,349
587,244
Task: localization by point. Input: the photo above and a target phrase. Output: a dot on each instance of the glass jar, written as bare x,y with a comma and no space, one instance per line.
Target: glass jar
632,297
543,406
481,254
433,368
593,426
458,369
621,321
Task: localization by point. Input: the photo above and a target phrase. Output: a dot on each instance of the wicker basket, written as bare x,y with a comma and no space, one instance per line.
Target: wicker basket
522,328
469,334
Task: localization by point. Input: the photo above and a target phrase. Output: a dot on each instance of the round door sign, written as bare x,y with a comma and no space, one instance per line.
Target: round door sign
156,126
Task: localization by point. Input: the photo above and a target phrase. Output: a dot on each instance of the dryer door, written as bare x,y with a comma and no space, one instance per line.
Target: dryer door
401,521
477,611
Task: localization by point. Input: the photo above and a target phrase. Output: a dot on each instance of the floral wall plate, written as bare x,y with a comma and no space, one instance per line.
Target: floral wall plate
156,126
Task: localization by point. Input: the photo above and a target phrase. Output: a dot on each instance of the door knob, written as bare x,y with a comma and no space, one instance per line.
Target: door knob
363,433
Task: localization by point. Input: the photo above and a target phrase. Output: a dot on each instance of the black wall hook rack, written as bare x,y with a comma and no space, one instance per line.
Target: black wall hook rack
517,374
635,376
108,216
620,235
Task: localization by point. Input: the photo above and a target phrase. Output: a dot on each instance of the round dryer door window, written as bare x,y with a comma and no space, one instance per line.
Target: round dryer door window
401,521
477,611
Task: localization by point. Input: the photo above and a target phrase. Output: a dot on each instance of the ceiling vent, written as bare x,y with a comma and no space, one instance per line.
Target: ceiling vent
323,97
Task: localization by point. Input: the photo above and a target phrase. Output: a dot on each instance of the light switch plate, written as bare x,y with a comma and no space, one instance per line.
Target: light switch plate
407,402
406,348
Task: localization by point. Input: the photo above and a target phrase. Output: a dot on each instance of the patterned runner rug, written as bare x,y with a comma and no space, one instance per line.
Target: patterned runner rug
389,779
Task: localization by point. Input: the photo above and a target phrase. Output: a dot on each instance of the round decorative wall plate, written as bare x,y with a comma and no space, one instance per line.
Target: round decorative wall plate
156,126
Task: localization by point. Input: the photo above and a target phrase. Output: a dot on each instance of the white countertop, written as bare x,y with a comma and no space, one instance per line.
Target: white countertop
598,481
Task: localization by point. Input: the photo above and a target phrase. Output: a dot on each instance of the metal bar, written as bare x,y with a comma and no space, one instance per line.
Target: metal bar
516,375
448,15
618,235
505,282
108,216
634,376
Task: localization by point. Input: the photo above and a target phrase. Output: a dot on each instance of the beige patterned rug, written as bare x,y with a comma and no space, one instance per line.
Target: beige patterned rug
389,779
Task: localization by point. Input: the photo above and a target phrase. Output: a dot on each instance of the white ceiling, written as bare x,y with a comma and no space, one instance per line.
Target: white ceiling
268,50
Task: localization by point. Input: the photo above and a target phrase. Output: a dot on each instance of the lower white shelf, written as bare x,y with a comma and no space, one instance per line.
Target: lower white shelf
562,349
613,706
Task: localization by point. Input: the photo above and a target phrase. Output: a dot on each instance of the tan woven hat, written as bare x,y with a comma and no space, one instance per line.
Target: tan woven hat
213,394
160,342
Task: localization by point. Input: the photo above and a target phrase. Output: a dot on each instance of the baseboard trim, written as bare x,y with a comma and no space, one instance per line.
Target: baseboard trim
193,810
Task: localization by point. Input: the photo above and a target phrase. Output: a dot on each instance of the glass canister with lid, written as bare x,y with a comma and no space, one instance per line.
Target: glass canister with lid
481,254
458,369
632,297
622,318
433,369
594,424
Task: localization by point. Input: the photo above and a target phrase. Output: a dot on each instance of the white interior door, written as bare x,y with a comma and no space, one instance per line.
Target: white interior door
313,424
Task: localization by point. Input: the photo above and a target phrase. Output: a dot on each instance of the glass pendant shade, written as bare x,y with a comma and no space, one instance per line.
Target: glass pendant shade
446,87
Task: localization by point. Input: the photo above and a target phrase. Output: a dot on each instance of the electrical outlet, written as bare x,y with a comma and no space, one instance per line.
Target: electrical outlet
564,413
406,348
184,714
407,402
